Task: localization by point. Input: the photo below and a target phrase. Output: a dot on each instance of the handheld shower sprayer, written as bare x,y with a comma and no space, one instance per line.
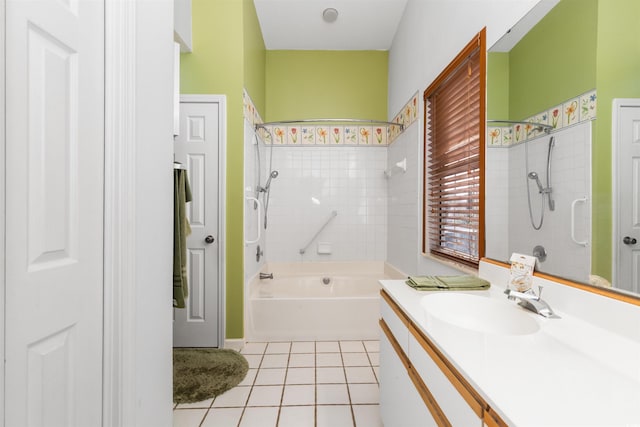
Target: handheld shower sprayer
267,193
273,174
534,176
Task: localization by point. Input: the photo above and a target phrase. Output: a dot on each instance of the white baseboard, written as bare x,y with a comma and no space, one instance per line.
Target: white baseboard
234,344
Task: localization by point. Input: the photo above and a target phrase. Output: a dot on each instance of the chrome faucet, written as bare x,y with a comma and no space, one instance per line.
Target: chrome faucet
532,302
266,276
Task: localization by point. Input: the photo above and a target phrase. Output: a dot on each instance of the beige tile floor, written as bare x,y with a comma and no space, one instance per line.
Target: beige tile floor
296,384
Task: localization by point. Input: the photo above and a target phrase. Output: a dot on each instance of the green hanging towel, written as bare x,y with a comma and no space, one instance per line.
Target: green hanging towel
181,229
447,283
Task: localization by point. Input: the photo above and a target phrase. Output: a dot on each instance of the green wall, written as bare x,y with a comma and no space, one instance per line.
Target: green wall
228,53
618,76
334,84
254,57
555,61
498,85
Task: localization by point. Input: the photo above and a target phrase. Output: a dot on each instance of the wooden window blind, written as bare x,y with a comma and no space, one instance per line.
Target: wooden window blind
454,139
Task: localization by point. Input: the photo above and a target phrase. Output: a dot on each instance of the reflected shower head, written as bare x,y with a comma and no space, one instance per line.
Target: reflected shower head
534,176
273,174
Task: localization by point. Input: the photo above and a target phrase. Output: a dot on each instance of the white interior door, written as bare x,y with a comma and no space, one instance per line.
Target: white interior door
197,147
54,212
627,196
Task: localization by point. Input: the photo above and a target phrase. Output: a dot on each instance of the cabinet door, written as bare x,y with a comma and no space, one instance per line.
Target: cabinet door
454,406
400,403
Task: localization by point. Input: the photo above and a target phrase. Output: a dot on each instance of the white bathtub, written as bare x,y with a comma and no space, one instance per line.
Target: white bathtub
296,305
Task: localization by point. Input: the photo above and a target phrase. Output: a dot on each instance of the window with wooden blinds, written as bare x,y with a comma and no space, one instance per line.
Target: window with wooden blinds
454,139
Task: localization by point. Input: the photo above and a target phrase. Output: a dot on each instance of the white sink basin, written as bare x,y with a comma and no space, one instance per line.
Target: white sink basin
478,313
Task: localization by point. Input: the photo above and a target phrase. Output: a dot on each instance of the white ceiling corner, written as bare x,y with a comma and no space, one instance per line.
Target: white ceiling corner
298,24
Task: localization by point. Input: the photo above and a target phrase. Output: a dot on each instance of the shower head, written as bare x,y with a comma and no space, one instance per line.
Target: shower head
534,176
273,174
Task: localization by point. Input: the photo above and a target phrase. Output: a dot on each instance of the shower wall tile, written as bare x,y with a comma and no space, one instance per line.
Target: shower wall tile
293,135
337,135
495,136
365,135
323,136
379,135
313,181
308,135
570,112
404,205
518,133
507,136
556,117
279,135
351,135
497,203
588,106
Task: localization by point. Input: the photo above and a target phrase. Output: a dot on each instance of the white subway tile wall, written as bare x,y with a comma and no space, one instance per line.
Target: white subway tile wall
405,194
313,182
497,203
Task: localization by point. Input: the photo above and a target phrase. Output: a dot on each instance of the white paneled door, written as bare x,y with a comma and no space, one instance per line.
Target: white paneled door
54,212
627,191
197,148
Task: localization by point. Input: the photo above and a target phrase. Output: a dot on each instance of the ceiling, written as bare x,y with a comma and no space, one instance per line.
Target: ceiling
298,24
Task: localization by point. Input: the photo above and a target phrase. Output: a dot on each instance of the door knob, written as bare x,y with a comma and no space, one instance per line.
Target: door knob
629,240
209,239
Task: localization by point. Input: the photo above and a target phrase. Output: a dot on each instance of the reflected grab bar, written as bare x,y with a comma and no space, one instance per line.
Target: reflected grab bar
573,221
333,215
259,205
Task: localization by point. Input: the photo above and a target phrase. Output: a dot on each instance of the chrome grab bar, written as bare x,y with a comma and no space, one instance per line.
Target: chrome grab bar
333,215
573,222
258,204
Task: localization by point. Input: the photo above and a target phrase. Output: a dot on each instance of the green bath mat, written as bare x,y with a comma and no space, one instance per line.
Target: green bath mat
203,373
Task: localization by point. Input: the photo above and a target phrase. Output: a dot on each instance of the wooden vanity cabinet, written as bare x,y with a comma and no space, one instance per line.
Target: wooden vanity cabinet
405,352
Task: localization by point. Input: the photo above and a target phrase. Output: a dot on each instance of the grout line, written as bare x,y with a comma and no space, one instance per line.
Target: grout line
315,384
206,414
241,416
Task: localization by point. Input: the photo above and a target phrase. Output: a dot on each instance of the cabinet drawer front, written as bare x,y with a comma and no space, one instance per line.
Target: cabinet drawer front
452,403
395,323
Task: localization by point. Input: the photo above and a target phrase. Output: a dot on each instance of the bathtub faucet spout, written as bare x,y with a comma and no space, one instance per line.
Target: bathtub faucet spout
266,276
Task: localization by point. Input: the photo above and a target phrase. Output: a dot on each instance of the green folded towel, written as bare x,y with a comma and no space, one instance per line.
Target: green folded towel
181,229
447,283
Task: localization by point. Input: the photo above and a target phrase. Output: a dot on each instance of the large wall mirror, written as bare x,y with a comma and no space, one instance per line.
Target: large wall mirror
556,195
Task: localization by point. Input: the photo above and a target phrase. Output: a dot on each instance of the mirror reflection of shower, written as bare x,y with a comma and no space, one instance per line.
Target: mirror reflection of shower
545,192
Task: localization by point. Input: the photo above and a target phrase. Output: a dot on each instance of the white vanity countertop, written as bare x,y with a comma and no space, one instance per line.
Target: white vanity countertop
568,373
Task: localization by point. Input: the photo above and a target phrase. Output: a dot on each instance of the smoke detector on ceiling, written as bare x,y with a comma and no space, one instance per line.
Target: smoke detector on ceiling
330,15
